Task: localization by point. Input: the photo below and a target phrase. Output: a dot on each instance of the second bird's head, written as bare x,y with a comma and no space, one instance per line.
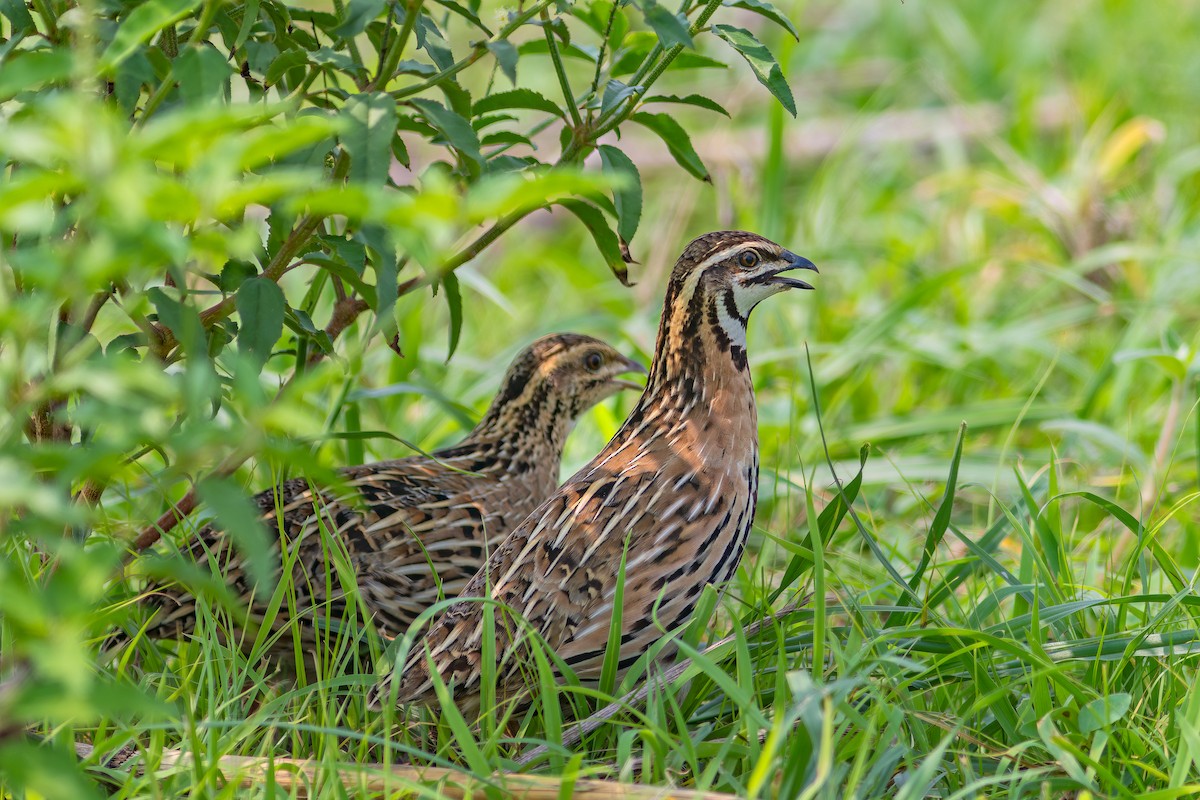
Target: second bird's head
568,370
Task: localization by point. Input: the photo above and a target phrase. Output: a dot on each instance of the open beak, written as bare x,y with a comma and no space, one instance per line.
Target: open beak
793,262
631,366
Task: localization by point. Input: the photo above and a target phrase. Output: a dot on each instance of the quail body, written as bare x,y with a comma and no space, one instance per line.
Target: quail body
674,491
416,529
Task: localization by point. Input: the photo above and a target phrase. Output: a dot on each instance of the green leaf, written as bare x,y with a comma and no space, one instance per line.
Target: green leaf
386,267
671,28
370,125
765,9
541,48
260,304
505,137
282,63
249,18
431,40
941,520
19,17
458,132
517,98
358,14
698,100
1104,711
676,140
182,319
31,70
627,194
145,20
270,144
761,62
606,240
454,301
203,74
466,14
506,56
614,92
238,517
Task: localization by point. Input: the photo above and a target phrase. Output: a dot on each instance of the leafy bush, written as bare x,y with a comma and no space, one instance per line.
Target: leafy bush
209,212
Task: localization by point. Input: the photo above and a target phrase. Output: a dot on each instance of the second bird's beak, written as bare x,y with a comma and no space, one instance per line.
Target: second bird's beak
793,262
631,366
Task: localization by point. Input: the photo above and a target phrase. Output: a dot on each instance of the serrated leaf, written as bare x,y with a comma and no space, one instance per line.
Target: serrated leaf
370,124
698,100
606,240
454,302
670,27
238,517
29,71
145,20
676,140
614,92
260,305
517,98
203,74
457,131
627,195
761,62
506,56
359,14
431,40
765,9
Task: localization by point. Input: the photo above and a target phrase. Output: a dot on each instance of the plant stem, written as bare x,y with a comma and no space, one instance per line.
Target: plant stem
207,15
612,15
391,59
560,71
340,9
48,18
647,74
279,264
476,54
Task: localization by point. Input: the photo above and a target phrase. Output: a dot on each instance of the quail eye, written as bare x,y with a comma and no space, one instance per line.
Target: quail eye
592,362
748,258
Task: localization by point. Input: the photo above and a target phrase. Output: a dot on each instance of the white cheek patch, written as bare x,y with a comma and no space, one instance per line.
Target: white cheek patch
735,328
747,296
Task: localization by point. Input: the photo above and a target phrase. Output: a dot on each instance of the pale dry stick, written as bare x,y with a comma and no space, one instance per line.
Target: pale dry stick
576,733
308,778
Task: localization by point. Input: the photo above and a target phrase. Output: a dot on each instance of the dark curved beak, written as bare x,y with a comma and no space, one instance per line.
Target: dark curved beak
635,367
793,262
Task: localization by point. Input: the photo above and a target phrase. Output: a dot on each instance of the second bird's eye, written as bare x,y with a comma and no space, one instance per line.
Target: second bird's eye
748,258
592,362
